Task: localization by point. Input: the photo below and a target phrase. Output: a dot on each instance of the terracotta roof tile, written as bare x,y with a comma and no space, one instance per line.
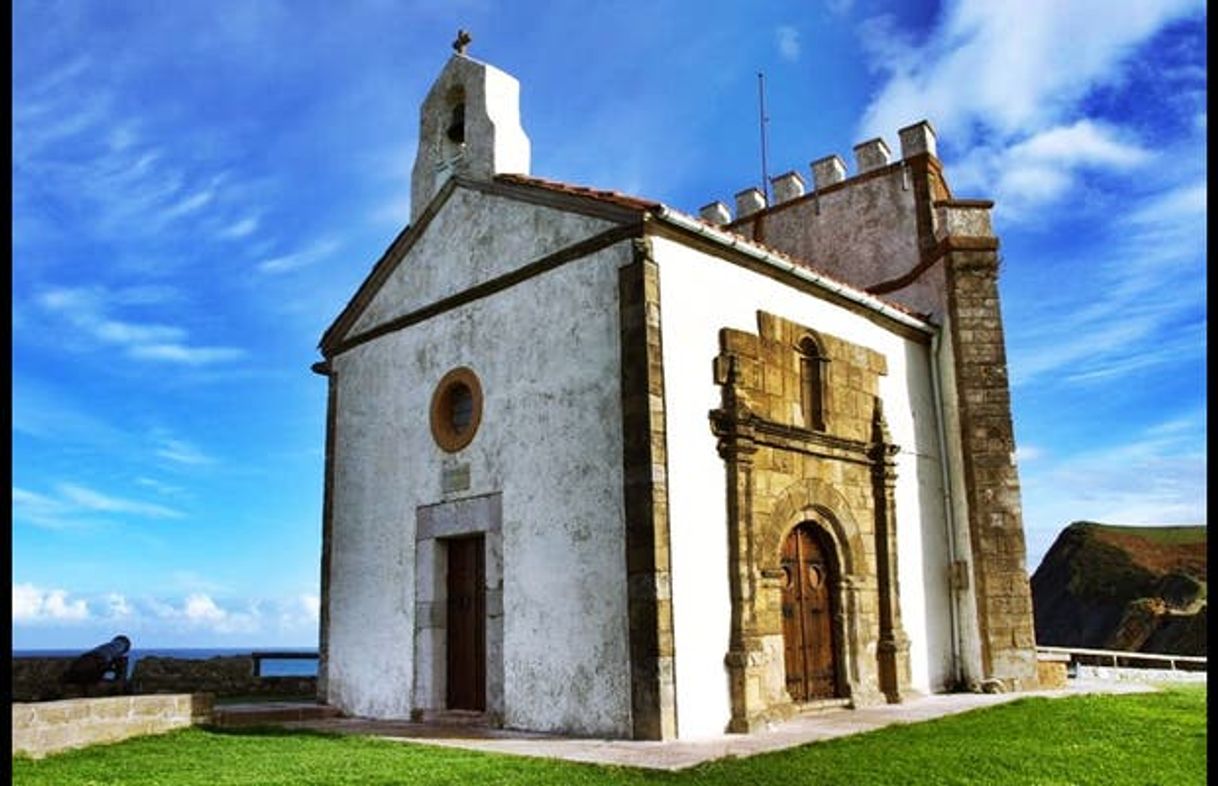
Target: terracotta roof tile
602,195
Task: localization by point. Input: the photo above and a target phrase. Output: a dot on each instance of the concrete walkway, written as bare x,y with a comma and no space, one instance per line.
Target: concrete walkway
679,754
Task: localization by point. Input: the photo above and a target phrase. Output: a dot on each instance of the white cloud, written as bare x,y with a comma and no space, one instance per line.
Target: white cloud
1002,84
1027,453
1045,166
788,42
117,606
1085,142
1008,68
201,608
300,613
34,605
200,612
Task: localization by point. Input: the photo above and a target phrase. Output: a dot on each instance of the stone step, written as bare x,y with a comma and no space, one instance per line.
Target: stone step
821,705
452,717
270,712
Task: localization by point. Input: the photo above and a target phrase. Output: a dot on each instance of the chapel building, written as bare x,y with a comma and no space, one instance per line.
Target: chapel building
598,467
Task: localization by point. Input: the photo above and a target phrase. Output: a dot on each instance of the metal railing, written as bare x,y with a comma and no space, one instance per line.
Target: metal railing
262,655
1117,656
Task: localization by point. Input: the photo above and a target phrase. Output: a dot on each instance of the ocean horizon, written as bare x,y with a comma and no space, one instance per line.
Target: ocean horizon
270,668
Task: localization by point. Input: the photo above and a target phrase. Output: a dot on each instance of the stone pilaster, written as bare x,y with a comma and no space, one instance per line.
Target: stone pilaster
995,520
893,644
645,472
746,659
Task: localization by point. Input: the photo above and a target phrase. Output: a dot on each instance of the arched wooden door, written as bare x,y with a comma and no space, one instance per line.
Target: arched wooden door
807,615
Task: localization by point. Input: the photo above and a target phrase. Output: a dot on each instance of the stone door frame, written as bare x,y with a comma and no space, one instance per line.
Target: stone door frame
435,524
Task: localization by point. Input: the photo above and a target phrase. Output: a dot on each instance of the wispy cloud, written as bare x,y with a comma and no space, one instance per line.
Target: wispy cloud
182,452
87,310
160,487
1157,477
185,355
787,38
73,505
44,412
298,259
189,204
1151,314
239,229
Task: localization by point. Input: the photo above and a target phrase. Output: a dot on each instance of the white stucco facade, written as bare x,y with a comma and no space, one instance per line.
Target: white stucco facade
549,442
701,294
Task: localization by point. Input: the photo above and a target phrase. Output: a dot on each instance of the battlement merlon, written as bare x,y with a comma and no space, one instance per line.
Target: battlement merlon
882,228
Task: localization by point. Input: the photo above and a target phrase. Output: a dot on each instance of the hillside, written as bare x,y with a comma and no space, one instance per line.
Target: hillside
1125,588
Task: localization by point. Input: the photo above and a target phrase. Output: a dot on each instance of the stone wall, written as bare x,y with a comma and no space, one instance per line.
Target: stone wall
223,676
987,440
49,727
41,679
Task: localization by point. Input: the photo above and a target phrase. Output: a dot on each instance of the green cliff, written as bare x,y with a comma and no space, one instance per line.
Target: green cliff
1141,589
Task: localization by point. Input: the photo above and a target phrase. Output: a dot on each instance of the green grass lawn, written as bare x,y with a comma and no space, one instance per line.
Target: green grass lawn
1156,738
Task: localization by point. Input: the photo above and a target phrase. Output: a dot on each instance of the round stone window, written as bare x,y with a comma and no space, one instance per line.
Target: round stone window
456,409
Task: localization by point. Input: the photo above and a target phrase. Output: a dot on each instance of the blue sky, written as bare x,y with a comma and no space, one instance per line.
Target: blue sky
198,188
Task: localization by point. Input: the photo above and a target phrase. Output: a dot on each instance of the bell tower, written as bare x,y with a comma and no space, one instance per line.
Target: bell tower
469,125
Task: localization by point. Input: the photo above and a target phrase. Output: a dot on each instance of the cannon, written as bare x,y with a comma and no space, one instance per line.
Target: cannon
91,667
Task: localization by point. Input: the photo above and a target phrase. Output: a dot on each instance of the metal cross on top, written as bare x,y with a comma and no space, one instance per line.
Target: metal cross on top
463,39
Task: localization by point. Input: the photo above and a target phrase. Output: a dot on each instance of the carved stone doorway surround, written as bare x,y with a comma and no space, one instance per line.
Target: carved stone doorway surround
839,475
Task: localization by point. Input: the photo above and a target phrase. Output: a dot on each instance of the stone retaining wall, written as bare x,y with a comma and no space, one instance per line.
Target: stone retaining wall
41,679
49,727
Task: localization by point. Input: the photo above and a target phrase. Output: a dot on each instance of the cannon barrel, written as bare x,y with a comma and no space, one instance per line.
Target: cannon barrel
93,665
113,649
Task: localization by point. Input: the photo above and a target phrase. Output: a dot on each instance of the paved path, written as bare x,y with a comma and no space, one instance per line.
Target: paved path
822,725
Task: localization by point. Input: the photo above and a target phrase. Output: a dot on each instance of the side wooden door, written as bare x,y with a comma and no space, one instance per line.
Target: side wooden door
466,634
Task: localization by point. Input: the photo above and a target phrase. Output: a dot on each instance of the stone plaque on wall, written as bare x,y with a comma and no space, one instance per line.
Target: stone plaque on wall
454,477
